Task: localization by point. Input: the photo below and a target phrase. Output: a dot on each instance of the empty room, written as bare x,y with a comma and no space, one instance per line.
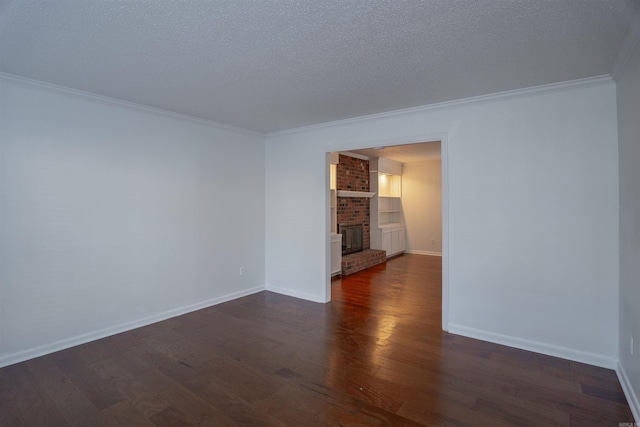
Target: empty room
188,188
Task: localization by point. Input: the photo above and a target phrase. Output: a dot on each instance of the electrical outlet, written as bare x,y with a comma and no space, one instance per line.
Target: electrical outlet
631,344
433,241
242,271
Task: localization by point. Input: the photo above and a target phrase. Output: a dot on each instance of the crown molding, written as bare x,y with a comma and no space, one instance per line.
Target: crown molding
534,90
629,45
125,104
553,87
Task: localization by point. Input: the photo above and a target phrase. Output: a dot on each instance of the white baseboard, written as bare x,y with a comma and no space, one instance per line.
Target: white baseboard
42,350
296,294
536,346
629,393
423,253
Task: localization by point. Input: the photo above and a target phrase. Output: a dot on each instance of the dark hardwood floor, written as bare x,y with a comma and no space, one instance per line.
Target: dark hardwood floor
374,356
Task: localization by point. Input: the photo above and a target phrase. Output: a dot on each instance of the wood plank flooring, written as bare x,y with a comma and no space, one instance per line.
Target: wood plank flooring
375,356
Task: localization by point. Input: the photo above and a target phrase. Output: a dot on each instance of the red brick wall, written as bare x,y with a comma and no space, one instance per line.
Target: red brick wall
353,174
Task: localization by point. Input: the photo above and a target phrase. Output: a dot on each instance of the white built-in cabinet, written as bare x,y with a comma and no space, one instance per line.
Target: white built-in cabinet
336,239
394,240
385,177
333,195
336,254
389,210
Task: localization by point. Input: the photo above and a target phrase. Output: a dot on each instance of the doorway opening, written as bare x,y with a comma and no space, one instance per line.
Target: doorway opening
408,205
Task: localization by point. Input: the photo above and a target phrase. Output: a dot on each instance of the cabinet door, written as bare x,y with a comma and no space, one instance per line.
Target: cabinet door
336,257
395,241
402,240
386,242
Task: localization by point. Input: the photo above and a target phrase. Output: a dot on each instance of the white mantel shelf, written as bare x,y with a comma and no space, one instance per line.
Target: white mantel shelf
345,193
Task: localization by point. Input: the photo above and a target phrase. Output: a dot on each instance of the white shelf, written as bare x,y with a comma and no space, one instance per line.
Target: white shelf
389,185
333,203
389,210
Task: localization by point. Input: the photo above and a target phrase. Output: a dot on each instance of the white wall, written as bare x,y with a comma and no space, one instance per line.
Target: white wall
114,216
422,206
533,213
628,91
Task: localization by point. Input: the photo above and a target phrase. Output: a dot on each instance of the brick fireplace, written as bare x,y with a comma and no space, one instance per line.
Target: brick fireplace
352,174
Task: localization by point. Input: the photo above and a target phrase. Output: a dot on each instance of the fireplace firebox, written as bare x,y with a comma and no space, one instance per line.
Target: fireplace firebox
351,238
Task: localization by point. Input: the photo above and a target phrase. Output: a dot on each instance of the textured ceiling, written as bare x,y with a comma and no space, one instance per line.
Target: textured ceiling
269,65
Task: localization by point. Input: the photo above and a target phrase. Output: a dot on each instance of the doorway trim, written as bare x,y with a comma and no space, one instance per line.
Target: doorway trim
444,156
